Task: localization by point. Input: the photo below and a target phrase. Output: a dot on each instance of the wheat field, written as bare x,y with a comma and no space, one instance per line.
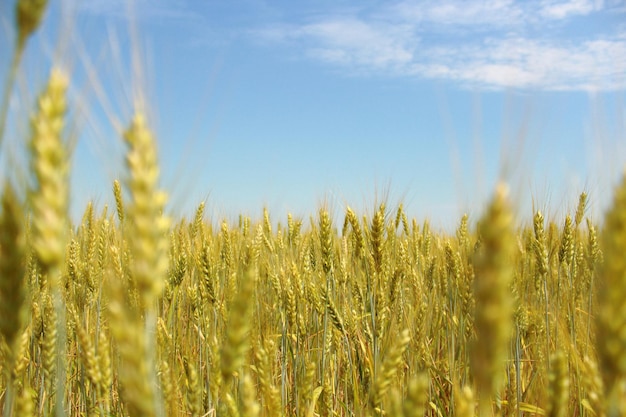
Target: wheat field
133,313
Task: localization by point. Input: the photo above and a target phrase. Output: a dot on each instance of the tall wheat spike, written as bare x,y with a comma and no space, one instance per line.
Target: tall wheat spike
50,196
236,344
559,386
119,202
12,282
388,368
493,312
12,271
136,360
147,225
148,243
49,204
611,318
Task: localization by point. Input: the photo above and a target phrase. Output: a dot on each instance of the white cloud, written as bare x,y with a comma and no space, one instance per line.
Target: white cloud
478,43
524,63
563,9
458,12
354,42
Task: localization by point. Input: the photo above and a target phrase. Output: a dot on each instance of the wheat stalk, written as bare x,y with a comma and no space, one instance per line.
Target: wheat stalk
493,310
611,318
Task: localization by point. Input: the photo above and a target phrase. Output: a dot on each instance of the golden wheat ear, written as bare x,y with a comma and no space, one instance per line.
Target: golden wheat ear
12,271
119,202
48,203
493,313
236,343
49,163
387,372
28,16
417,395
147,226
13,286
558,388
611,318
134,372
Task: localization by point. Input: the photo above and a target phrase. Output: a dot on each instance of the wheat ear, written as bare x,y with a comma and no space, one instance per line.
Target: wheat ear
12,285
236,343
49,204
611,318
493,311
12,281
147,224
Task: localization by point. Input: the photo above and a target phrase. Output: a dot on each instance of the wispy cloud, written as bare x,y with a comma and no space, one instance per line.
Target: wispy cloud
469,13
478,43
563,9
342,42
524,63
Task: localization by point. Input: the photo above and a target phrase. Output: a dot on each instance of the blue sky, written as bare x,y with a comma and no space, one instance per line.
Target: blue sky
290,105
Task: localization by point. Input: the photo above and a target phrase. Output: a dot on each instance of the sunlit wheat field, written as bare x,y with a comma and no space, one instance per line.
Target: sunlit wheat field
126,306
